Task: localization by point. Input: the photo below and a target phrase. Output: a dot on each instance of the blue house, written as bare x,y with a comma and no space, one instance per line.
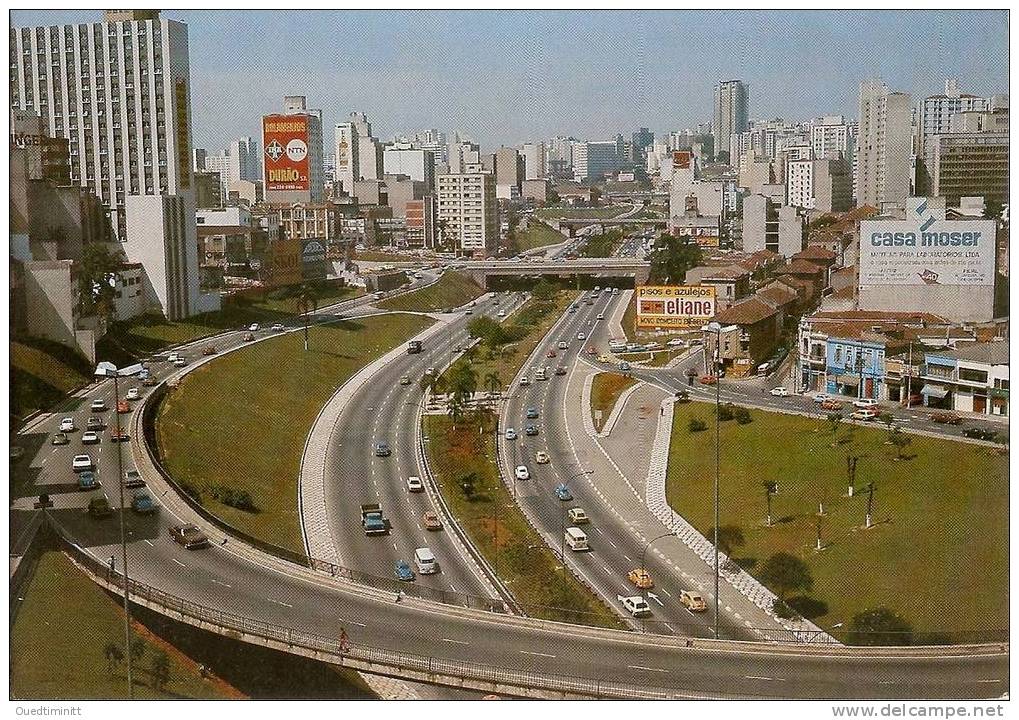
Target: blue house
855,368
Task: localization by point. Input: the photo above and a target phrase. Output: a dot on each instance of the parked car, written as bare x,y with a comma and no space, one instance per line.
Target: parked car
693,601
133,394
946,418
563,492
531,430
541,457
780,392
382,449
864,414
189,536
431,521
81,463
87,480
414,484
521,472
67,425
635,605
59,439
403,571
578,516
133,479
89,438
143,504
641,578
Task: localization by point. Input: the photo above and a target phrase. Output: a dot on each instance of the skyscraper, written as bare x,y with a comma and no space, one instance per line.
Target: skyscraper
883,146
732,98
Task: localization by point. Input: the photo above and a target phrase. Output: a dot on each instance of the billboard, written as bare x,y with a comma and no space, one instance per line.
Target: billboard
344,143
313,259
681,159
285,139
927,252
674,306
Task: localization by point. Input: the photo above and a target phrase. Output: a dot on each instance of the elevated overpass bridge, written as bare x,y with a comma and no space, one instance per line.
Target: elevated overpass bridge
611,267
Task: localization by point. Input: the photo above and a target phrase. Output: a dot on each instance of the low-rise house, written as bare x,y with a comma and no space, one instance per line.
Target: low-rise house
971,378
757,332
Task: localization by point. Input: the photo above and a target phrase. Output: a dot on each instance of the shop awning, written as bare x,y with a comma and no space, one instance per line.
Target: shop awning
849,380
934,391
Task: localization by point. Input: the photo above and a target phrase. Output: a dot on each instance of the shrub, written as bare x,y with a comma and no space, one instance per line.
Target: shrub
240,499
782,610
743,416
808,607
879,626
696,425
726,412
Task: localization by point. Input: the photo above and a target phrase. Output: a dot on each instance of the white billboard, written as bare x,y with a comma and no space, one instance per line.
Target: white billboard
927,252
674,306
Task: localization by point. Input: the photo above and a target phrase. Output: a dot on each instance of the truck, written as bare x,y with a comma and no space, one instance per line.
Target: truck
372,520
414,346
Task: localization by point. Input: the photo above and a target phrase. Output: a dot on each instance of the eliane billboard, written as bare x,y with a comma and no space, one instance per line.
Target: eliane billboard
931,252
675,306
285,139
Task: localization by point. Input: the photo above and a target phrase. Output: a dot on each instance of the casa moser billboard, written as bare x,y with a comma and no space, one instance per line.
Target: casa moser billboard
674,306
927,252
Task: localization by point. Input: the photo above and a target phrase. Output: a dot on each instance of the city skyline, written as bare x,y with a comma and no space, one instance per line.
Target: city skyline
585,79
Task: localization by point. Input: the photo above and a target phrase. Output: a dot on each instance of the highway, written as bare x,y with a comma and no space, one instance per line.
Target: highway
241,580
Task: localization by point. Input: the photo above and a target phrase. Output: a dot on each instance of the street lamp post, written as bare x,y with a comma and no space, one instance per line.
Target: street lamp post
108,369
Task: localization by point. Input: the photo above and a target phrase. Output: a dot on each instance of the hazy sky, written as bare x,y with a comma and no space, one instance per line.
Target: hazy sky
506,77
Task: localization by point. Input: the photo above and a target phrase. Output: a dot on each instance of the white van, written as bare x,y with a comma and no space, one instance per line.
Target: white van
541,374
425,561
576,539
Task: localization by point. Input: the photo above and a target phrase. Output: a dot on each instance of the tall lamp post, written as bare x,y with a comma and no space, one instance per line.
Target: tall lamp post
106,370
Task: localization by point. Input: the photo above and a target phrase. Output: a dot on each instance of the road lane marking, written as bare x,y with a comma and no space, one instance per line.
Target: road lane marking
280,602
650,669
178,562
220,582
150,543
455,642
764,677
528,652
988,681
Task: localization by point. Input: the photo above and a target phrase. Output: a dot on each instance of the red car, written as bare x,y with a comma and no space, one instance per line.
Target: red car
708,379
551,353
831,405
123,407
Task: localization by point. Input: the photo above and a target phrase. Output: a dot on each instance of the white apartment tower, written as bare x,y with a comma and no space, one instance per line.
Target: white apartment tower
731,107
535,165
467,213
883,146
830,136
119,91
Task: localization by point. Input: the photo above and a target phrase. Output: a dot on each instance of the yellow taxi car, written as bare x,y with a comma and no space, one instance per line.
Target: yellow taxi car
641,578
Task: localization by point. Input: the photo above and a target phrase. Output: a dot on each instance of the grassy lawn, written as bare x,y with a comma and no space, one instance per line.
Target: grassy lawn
385,256
582,213
269,394
602,246
150,333
605,391
41,373
937,553
57,645
537,234
535,576
453,289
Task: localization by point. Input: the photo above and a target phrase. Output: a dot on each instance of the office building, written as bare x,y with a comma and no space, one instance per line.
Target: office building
883,146
825,185
208,190
731,107
593,161
417,164
535,162
293,156
969,164
467,213
769,225
369,151
420,223
119,92
347,165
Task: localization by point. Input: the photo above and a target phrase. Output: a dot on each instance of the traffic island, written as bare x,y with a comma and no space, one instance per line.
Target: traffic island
233,432
936,528
606,389
450,291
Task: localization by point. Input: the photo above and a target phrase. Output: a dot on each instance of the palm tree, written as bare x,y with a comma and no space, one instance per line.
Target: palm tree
493,383
307,300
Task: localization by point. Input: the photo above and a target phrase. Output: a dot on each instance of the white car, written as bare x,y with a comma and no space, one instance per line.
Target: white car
522,473
278,327
81,462
525,381
253,327
864,414
89,438
180,362
511,434
865,403
67,425
415,485
541,457
133,394
821,397
581,336
562,345
780,392
501,313
676,342
601,316
635,605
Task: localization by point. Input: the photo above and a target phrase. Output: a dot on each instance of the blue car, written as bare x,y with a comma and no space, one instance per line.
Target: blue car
87,480
531,430
562,492
532,413
142,503
403,571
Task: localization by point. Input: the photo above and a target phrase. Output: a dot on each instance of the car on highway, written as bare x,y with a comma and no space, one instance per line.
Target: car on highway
551,354
172,357
946,418
181,361
676,342
531,430
277,327
624,366
563,345
635,605
402,571
425,561
641,578
560,370
581,336
89,438
67,425
520,472
80,463
821,397
405,380
578,516
87,480
207,351
98,405
541,457
525,381
414,484
142,503
382,449
708,379
831,405
511,434
779,391
563,492
249,337
431,521
189,536
99,507
133,394
59,439
532,413
693,601
253,327
119,434
149,382
864,414
865,403
94,423
123,407
133,479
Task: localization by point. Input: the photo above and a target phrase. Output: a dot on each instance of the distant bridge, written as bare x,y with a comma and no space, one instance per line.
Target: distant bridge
482,270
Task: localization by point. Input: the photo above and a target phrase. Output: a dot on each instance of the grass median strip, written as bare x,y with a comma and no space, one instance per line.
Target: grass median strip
936,555
235,429
538,234
606,387
453,289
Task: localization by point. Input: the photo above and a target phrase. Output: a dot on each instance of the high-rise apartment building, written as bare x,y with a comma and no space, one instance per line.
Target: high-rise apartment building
467,215
535,161
509,173
119,92
770,225
292,153
824,184
883,146
240,161
830,136
415,163
731,112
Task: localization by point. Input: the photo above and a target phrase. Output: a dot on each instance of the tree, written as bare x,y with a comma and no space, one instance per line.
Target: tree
730,537
137,649
784,573
160,669
834,420
880,626
491,333
97,281
672,258
463,383
307,300
493,383
113,654
543,290
467,484
900,440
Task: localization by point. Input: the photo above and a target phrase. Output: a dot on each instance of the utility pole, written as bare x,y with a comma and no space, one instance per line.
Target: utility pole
718,455
870,504
851,467
909,376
